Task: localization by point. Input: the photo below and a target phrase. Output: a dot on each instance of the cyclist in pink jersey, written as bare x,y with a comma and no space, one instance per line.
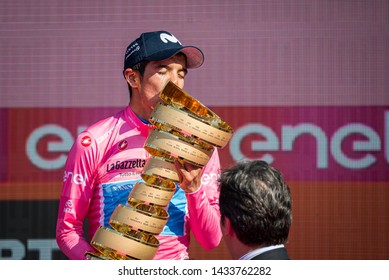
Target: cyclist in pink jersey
107,160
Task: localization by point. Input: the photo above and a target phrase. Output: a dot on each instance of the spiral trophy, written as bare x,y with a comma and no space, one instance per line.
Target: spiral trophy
185,130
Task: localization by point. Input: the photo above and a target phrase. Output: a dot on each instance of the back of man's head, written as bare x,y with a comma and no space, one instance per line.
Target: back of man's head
257,201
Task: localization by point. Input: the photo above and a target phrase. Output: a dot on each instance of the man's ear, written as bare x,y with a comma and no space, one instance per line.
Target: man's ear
228,230
131,77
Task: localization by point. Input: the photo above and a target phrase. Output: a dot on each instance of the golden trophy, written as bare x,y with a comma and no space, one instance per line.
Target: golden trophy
185,130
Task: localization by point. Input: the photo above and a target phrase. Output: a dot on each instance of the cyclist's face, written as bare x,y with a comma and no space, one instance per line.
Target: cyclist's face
157,74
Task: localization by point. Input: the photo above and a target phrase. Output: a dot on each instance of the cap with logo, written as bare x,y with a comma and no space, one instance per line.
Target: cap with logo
160,45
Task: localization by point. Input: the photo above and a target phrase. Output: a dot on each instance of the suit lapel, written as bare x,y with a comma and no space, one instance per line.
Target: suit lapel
276,254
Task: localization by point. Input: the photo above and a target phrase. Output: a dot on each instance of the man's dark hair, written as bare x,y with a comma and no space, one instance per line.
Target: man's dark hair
257,201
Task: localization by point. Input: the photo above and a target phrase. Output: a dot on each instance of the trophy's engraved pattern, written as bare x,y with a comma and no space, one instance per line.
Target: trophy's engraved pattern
185,123
125,218
120,246
155,195
162,167
185,130
178,147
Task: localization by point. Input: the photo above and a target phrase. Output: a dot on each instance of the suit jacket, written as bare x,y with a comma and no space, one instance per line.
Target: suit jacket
276,254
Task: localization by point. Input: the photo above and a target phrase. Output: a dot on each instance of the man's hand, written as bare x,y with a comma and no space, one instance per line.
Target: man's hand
189,175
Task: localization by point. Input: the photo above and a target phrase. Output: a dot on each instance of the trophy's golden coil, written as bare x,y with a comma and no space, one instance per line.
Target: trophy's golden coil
185,131
158,181
147,218
118,246
182,135
168,117
176,97
97,256
176,147
161,154
152,194
160,167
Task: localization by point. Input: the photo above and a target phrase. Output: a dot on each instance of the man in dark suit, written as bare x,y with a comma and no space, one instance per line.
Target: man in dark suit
256,211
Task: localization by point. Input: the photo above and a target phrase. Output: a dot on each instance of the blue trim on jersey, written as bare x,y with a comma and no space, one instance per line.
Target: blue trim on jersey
144,120
175,226
114,194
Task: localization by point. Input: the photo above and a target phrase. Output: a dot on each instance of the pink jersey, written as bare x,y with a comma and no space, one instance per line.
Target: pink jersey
103,165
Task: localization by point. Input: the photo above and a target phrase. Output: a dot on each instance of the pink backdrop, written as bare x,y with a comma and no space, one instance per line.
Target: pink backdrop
303,83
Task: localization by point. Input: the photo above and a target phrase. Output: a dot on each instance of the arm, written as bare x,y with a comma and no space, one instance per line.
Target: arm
77,191
203,201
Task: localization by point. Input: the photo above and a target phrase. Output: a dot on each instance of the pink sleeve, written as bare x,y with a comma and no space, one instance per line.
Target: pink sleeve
77,190
203,206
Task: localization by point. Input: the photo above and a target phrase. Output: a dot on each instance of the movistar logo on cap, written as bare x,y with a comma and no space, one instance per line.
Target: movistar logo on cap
168,38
